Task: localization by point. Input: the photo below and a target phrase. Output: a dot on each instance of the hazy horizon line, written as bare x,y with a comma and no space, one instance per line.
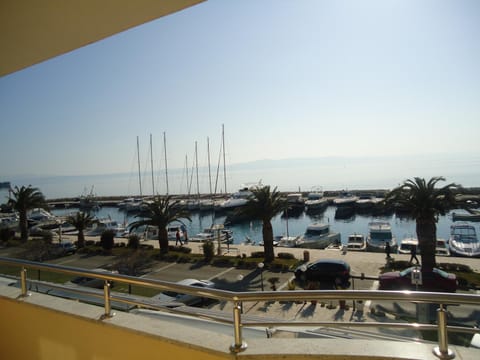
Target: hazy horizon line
260,163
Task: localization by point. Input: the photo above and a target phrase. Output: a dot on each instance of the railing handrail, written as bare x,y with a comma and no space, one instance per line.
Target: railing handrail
237,298
286,295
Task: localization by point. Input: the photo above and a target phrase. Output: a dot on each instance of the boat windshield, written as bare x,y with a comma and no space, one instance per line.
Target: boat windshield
317,231
463,230
381,235
467,239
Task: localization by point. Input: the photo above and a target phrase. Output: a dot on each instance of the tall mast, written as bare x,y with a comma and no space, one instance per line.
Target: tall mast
151,165
196,166
209,174
186,168
224,169
139,176
166,166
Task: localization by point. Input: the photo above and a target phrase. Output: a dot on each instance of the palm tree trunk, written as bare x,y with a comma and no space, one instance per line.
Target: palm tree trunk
267,233
23,226
80,239
427,235
163,240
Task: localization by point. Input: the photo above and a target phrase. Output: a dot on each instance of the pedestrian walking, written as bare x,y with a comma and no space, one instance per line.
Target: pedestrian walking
177,237
413,254
387,250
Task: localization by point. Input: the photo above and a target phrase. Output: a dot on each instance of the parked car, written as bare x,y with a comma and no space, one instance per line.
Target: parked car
175,297
64,248
92,282
436,280
330,271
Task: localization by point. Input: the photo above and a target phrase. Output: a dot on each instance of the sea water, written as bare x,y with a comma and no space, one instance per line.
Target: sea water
401,227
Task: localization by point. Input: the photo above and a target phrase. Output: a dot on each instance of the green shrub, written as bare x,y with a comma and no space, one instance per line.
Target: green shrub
222,261
257,254
240,263
287,256
455,267
183,259
6,234
14,242
147,247
133,241
107,240
208,250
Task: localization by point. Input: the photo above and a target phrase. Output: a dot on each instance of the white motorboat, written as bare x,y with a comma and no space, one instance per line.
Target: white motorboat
316,202
345,199
40,216
288,241
356,242
441,248
464,241
379,234
407,244
318,236
102,225
295,204
240,197
213,233
345,206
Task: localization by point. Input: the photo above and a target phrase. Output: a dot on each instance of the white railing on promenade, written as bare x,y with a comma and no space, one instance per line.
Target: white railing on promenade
237,298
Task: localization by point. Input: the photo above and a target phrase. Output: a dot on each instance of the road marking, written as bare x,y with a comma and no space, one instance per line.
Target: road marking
66,261
158,270
220,274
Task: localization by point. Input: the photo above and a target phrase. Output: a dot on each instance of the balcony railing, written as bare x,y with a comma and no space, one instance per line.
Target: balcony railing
237,299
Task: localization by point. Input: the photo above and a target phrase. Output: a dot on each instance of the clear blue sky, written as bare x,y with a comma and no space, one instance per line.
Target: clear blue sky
289,79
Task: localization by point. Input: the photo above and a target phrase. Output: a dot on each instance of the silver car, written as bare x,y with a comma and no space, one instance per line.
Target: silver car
92,282
174,297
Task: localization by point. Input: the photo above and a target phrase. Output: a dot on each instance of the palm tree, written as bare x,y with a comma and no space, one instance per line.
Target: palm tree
24,199
264,205
160,213
80,221
425,203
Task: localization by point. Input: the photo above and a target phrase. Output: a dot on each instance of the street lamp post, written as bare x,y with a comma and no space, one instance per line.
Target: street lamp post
260,266
240,278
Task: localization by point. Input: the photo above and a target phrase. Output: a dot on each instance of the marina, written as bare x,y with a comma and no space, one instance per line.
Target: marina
250,232
289,231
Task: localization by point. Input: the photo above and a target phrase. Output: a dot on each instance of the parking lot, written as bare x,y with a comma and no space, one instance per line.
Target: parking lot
233,279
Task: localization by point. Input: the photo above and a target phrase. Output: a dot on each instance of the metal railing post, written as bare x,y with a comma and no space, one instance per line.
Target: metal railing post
442,351
106,295
23,282
239,345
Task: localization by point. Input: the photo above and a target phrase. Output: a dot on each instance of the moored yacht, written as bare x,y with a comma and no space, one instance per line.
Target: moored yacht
316,202
295,204
441,248
102,225
356,242
464,241
407,244
240,197
379,234
213,233
345,206
288,241
318,236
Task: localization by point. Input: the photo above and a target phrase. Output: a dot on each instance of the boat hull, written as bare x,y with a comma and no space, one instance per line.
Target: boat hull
320,243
